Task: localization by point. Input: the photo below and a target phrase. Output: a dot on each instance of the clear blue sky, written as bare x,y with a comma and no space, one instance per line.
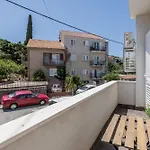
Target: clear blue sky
108,18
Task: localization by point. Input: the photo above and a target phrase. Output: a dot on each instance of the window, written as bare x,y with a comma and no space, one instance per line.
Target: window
73,72
30,96
21,96
52,72
96,45
73,42
96,59
12,95
52,58
85,71
85,57
86,43
73,57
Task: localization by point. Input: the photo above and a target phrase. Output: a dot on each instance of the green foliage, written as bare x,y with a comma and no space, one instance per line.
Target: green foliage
73,83
8,67
61,73
69,84
114,67
77,81
29,30
39,76
147,110
111,76
12,51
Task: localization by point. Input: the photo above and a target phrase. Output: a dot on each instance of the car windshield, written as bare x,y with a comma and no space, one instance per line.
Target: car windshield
11,95
84,88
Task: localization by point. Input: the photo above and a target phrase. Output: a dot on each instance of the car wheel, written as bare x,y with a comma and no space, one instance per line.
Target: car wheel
42,102
13,106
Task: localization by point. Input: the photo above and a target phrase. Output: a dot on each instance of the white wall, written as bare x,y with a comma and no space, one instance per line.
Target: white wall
126,92
142,27
73,124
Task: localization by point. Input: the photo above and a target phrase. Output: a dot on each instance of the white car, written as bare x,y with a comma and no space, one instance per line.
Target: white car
85,88
56,88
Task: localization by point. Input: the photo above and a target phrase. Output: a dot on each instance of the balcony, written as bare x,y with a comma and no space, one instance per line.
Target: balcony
97,49
95,76
52,62
72,124
97,63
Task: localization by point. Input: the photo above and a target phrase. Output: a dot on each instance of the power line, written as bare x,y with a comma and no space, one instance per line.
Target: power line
61,22
46,6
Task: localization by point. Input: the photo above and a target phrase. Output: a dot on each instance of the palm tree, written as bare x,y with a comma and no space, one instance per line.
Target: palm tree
69,84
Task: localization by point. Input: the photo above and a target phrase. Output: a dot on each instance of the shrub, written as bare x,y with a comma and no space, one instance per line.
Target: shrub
69,84
111,76
148,111
39,76
9,67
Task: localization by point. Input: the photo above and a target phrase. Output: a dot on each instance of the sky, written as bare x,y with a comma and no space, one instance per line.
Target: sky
107,18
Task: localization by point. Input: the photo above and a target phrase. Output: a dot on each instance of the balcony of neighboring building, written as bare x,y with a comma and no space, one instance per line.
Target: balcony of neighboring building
97,63
50,59
97,47
95,75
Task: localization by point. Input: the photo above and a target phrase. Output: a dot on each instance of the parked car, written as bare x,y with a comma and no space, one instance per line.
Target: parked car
85,88
56,88
23,98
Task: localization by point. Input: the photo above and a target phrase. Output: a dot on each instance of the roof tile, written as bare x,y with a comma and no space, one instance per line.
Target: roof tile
80,34
45,44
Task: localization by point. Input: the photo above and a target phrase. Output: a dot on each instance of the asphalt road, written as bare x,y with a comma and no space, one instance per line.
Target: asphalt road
8,115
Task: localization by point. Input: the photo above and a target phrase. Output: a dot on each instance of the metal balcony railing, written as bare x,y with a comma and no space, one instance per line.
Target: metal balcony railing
93,48
96,75
97,63
54,62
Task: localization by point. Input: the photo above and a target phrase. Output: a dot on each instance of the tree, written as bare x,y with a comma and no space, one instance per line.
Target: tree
61,74
12,51
111,76
69,84
39,76
114,67
29,30
9,68
77,81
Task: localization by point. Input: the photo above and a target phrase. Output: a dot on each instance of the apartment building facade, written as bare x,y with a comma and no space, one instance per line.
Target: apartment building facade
88,55
47,56
83,54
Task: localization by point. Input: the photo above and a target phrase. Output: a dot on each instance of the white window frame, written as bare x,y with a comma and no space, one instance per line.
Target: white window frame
72,42
86,43
85,71
96,58
73,57
85,57
52,72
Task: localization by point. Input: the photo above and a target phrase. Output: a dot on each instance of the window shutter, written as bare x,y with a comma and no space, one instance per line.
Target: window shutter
50,56
61,57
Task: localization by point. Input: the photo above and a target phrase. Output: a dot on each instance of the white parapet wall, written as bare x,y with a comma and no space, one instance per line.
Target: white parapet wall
72,124
127,92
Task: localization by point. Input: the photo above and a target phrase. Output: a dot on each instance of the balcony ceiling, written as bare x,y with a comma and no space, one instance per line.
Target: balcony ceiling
139,7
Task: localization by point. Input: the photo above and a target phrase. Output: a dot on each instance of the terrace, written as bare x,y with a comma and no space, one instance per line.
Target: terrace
72,124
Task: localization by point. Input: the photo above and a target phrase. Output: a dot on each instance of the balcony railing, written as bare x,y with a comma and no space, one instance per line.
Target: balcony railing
93,48
96,75
80,116
52,62
97,63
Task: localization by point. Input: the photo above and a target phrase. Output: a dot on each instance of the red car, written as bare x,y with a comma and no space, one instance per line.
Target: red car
23,98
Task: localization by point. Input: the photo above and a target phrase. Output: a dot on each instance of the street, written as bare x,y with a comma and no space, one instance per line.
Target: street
8,115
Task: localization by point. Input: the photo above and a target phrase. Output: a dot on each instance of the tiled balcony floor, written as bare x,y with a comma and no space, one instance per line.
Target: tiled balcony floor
121,110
